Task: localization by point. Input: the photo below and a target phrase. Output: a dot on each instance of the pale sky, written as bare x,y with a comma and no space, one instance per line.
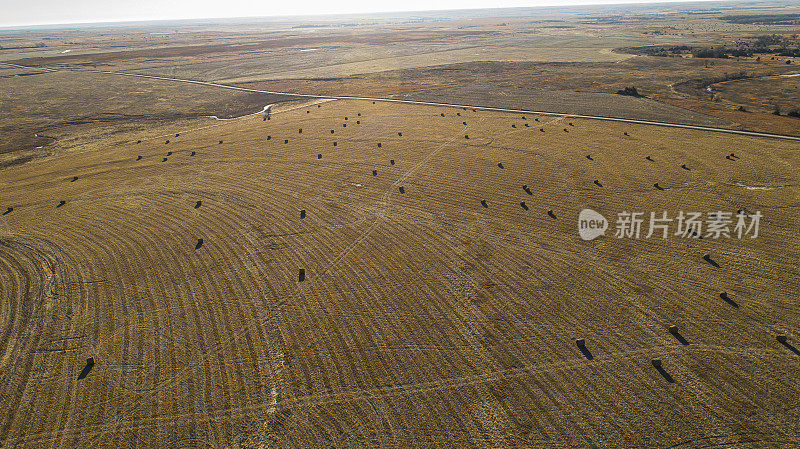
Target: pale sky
37,12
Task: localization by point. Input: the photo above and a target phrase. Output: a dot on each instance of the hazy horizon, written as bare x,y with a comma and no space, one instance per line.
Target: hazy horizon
49,12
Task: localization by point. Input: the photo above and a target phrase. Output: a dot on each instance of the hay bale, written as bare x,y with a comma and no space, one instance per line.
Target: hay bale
379,144
527,125
513,126
192,153
138,158
484,204
302,213
285,140
458,114
358,122
464,123
657,363
319,156
269,137
523,118
589,156
402,189
61,203
138,141
566,130
597,183
374,172
536,119
164,160
500,164
649,159
442,114
166,142
334,143
220,142
344,125
198,204
332,131
199,244
399,134
74,178
391,161
523,205
319,106
466,136
570,124
359,114
177,134
300,131
626,133
541,129
169,153
301,275
345,118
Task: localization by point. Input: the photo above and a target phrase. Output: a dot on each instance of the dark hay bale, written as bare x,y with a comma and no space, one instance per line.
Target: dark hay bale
527,190
138,141
220,142
285,140
269,137
379,144
500,164
166,142
169,153
464,123
198,204
192,153
442,114
358,122
466,136
523,205
344,125
319,156
359,114
566,130
484,204
626,133
374,172
199,244
301,275
541,129
334,143
61,203
391,161
400,134
300,131
527,125
570,124
74,178
138,158
513,126
402,189
164,160
657,363
303,213
176,135
332,131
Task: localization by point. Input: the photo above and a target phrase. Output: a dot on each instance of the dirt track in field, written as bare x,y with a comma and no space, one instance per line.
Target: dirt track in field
425,317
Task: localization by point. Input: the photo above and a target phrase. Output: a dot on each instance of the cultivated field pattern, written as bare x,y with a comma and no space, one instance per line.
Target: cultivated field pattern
441,300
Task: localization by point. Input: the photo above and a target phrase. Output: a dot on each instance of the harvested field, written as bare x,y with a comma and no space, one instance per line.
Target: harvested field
566,102
423,318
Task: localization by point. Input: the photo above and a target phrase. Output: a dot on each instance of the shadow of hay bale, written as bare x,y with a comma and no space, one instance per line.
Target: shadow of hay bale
551,214
138,158
402,189
527,190
484,204
649,159
589,156
199,244
581,344
8,211
169,153
198,204
597,183
676,333
301,275
523,205
782,339
61,203
708,259
500,165
302,213
683,166
658,186
658,365
87,368
726,298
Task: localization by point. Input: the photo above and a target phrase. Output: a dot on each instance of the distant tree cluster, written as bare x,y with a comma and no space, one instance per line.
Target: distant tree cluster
629,91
